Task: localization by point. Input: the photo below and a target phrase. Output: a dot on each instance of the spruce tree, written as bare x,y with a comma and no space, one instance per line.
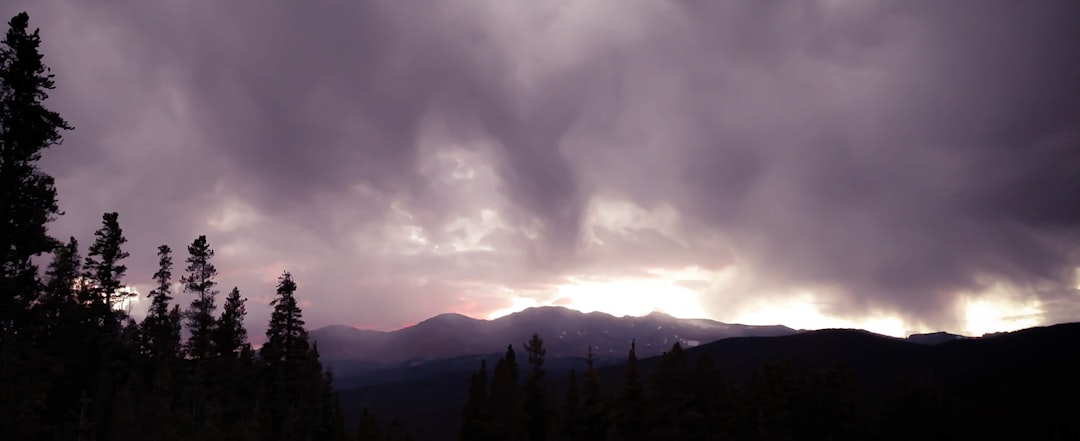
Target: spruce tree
199,280
27,195
670,395
504,403
58,304
103,267
230,336
161,327
286,338
472,418
286,357
536,405
630,413
593,407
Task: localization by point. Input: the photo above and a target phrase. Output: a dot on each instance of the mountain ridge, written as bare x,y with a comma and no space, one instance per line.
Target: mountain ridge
569,333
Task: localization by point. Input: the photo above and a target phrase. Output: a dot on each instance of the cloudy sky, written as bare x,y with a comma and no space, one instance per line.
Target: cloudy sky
898,166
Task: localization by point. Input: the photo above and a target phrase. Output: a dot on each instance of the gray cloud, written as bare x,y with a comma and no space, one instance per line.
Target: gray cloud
888,156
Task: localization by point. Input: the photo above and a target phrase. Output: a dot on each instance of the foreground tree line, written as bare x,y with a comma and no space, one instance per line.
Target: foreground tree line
75,366
680,401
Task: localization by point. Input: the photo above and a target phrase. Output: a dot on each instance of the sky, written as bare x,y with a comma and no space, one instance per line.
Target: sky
895,166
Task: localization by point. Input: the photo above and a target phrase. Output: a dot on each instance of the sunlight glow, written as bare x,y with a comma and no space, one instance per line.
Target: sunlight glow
519,304
662,291
986,316
803,312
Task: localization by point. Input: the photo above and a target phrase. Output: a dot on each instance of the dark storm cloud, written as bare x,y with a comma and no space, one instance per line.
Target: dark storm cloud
888,156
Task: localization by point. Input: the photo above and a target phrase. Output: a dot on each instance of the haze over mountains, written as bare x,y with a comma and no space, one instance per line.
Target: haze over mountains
566,333
453,342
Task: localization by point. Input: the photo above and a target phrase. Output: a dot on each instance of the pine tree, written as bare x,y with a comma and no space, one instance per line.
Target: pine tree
472,418
161,327
537,416
230,336
712,408
504,403
27,195
289,363
286,338
103,267
670,395
630,412
593,424
199,280
58,303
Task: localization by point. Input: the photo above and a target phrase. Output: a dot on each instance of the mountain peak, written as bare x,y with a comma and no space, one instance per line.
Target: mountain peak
449,318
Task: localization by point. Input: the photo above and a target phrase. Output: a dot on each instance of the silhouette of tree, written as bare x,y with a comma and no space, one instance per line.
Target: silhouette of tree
670,396
629,410
473,424
199,280
27,195
161,327
536,406
505,398
230,336
103,267
58,303
593,420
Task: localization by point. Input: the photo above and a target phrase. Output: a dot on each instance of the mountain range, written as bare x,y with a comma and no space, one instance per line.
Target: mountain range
454,342
447,341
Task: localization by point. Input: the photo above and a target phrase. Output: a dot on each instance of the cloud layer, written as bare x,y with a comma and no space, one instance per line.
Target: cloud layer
409,158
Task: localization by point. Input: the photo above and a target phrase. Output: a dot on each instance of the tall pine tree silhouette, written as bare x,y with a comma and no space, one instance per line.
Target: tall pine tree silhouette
27,195
103,267
199,280
161,327
230,336
536,406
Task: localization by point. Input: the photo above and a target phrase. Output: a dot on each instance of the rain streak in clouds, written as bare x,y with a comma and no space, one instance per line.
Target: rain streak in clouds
905,165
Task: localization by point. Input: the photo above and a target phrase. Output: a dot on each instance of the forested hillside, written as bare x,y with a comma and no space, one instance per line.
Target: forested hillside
822,385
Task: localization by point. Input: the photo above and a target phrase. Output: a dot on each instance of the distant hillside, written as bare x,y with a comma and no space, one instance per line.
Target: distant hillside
980,372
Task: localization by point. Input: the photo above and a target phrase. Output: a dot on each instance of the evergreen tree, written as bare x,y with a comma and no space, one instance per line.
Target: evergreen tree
536,405
199,280
161,327
292,367
630,406
58,303
504,403
286,338
230,336
593,423
712,408
27,195
472,418
103,267
670,396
